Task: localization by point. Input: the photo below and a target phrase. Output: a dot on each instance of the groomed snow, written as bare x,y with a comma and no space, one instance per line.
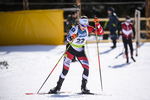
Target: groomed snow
29,66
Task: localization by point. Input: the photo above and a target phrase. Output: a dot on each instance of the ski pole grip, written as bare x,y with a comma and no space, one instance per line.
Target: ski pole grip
96,20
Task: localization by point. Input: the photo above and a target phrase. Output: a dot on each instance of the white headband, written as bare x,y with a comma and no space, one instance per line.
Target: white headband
84,21
129,20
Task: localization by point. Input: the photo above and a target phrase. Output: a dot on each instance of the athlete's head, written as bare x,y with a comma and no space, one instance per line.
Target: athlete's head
83,23
128,19
74,14
110,10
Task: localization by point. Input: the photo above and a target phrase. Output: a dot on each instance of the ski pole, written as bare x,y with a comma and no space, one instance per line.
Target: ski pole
99,61
53,69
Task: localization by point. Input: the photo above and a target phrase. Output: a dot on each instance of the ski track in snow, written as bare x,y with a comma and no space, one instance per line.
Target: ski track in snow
30,65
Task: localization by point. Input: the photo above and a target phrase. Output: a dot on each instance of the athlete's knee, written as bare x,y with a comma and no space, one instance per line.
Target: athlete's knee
67,61
64,72
126,52
86,71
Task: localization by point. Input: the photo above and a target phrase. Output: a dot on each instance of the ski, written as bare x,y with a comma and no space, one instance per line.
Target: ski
100,94
35,93
45,93
87,93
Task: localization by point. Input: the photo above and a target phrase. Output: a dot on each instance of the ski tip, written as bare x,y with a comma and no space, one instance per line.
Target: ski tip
30,93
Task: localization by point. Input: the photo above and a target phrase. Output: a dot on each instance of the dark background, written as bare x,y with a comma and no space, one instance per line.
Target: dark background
89,7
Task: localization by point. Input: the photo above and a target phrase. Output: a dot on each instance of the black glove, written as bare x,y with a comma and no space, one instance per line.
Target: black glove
94,29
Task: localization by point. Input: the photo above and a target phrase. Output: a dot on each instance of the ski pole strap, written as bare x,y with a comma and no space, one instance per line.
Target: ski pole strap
75,45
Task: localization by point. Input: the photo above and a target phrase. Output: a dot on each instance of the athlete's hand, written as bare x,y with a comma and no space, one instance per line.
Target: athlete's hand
74,36
96,20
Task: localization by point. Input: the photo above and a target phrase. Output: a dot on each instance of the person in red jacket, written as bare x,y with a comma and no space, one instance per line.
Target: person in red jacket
127,28
76,40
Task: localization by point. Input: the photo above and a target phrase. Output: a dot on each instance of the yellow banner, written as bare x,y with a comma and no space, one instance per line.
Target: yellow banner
32,27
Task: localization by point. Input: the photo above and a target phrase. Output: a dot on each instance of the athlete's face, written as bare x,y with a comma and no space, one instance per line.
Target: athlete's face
82,27
75,15
109,12
127,21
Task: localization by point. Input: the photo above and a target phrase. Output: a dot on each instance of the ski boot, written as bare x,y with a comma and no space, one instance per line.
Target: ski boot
127,61
84,90
133,59
55,89
113,47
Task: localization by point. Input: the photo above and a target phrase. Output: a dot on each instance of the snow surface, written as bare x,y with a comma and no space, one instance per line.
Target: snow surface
29,66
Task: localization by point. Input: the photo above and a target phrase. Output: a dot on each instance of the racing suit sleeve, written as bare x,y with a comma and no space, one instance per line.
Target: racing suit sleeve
98,28
72,33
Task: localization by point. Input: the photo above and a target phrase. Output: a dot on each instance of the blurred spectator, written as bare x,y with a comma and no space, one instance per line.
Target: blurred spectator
71,21
112,25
